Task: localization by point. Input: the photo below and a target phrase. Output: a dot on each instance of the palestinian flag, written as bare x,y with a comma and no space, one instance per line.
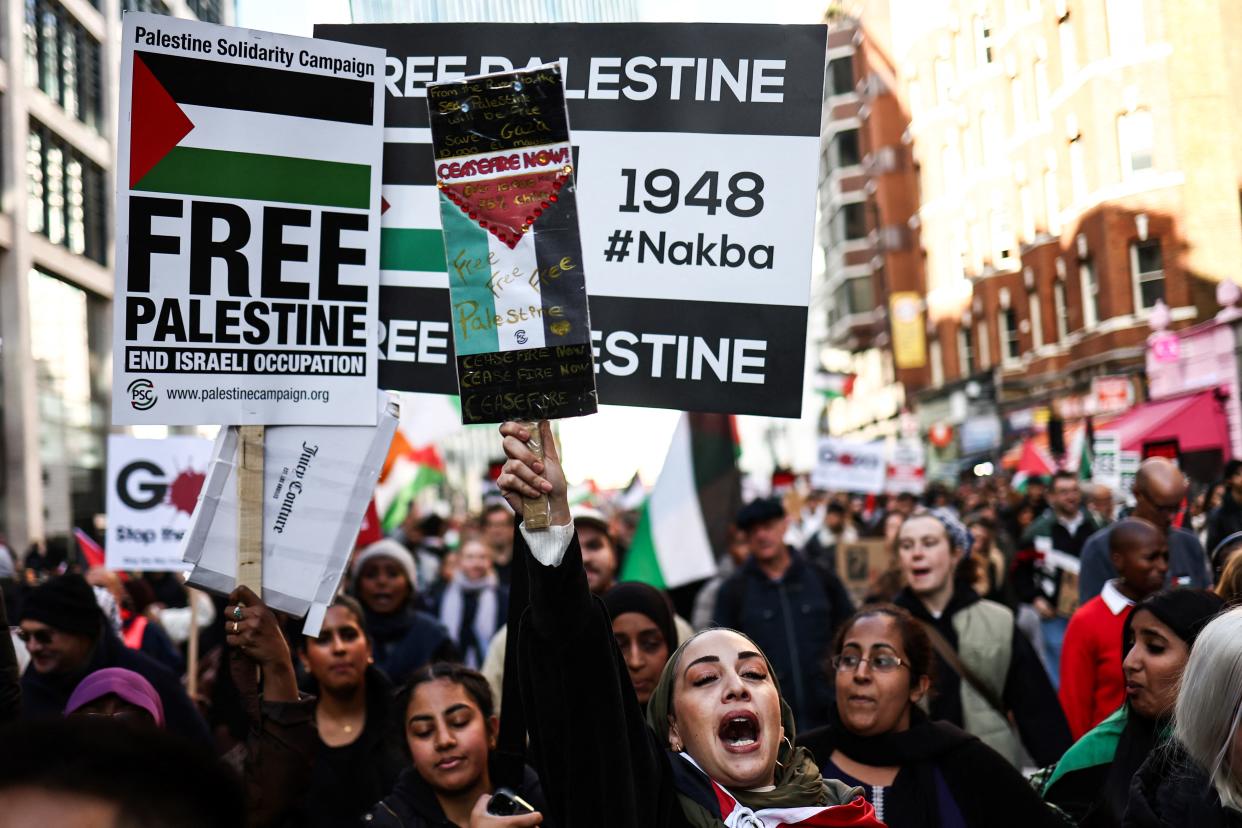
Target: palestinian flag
683,527
407,471
832,384
216,129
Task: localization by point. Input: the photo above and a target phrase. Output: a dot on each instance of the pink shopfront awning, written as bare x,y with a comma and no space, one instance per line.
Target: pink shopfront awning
1196,421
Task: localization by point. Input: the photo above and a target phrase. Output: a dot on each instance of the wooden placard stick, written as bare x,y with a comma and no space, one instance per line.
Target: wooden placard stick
191,673
250,508
536,511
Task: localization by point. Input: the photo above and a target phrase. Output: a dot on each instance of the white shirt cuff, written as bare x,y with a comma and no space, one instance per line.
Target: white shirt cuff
549,545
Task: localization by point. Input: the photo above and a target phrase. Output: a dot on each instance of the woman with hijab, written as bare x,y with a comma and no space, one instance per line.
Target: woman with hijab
917,773
642,625
716,748
358,754
1197,780
1091,782
118,693
404,637
986,670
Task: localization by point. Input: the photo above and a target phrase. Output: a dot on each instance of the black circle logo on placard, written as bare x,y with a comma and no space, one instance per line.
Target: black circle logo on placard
142,394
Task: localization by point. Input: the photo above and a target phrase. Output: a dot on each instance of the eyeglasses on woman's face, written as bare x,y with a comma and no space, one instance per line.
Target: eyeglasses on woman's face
880,662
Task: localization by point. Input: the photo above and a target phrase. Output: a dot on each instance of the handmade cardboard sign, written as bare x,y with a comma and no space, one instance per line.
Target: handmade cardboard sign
504,169
248,204
696,150
153,486
317,481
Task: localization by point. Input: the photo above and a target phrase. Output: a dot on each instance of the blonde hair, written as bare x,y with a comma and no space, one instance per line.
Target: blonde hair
1229,587
1209,704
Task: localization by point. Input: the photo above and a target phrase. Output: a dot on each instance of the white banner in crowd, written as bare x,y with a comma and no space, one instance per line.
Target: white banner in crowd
695,151
906,468
850,466
247,214
153,486
317,481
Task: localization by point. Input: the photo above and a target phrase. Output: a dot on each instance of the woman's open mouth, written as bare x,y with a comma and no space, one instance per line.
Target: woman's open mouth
739,732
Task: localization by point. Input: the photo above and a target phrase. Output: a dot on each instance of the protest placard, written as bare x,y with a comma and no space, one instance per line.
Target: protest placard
907,467
248,200
152,488
696,149
850,466
860,563
317,481
521,328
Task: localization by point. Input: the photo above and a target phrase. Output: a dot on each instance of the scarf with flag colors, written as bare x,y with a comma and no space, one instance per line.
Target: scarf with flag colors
683,525
736,815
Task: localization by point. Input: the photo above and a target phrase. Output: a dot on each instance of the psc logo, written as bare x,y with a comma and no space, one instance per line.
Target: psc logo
142,394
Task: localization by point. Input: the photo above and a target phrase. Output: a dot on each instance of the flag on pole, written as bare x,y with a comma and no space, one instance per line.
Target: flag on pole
92,552
682,527
407,471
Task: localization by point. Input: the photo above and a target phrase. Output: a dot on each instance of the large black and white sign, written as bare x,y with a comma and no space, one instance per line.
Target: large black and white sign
247,250
696,154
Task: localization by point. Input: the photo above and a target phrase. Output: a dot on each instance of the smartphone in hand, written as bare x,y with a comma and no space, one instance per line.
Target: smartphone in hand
507,803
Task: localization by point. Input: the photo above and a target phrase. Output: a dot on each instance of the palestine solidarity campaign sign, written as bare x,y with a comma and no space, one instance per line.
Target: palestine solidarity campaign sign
504,169
248,195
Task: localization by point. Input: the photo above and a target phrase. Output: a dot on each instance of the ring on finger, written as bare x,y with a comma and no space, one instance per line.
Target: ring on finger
236,627
237,613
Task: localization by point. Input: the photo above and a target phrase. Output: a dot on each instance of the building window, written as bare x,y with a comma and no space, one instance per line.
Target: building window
1037,320
966,350
841,75
1058,307
950,166
852,296
66,195
1012,348
983,39
208,10
1069,47
1126,30
943,75
1003,242
63,61
1041,89
848,152
1090,285
1147,269
1027,206
989,138
985,347
852,221
1078,169
936,360
1019,102
153,6
1134,141
1052,203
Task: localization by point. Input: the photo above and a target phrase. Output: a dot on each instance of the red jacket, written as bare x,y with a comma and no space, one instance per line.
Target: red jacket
1092,684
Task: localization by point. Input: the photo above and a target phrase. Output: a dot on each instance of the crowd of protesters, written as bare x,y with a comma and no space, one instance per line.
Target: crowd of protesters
1047,654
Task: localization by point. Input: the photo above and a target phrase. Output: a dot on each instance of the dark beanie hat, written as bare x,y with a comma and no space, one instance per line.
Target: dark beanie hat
66,603
644,599
758,511
1184,611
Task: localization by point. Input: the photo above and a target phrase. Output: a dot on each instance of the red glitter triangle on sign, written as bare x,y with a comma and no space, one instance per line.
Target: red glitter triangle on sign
156,125
507,207
384,205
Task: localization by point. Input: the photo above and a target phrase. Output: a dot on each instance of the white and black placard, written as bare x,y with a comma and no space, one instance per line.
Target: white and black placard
696,153
247,209
153,487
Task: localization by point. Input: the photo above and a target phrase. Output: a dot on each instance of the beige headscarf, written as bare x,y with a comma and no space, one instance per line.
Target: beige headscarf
798,781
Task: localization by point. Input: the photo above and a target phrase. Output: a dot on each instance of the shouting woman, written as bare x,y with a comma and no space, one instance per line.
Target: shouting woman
716,748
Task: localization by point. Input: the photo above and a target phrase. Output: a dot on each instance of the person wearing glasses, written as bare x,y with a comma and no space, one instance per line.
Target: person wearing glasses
915,772
1159,490
68,639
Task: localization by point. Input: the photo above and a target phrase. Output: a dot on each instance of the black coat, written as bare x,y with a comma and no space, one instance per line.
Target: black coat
347,782
1224,520
413,804
45,695
1027,694
793,620
407,640
987,790
1170,791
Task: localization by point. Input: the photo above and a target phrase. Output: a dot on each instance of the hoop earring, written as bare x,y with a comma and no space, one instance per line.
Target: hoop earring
781,764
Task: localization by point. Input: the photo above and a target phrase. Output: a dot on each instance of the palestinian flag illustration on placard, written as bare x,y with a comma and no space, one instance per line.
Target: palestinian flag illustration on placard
504,169
225,130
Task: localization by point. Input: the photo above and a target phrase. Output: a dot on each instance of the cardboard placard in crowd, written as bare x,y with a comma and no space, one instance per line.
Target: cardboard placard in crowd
248,204
860,563
504,169
317,483
152,488
696,149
